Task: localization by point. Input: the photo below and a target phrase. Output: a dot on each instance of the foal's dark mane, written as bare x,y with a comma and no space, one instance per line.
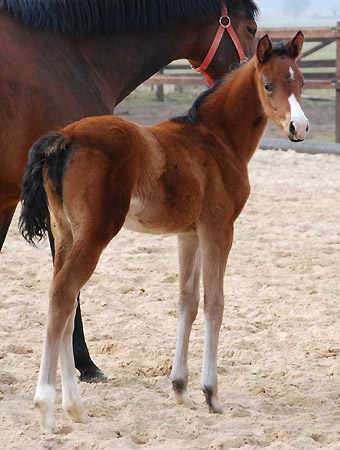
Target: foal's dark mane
192,115
76,18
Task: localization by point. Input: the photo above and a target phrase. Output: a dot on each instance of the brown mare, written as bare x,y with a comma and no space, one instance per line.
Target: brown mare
187,176
85,62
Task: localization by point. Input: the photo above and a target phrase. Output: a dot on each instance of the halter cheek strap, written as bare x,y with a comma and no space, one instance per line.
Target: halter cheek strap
225,25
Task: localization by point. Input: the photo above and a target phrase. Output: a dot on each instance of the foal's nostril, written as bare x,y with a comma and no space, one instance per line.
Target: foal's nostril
292,129
307,128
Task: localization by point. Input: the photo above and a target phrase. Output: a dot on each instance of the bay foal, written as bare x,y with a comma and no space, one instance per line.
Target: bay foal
186,176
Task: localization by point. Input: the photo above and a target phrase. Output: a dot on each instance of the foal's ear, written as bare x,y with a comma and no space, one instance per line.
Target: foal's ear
295,45
264,48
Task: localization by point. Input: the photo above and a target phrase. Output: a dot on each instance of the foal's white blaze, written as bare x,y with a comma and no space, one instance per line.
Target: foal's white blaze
297,117
291,73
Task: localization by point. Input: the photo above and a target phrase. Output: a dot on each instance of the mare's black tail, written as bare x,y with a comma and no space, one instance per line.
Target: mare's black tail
52,152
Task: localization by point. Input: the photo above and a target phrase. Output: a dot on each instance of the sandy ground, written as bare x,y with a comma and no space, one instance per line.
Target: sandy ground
279,354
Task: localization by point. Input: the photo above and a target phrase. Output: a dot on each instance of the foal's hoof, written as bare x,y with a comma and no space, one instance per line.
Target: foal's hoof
92,375
215,406
77,414
46,418
181,394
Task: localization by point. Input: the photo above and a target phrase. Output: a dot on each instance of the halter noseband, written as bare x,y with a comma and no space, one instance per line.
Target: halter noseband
214,46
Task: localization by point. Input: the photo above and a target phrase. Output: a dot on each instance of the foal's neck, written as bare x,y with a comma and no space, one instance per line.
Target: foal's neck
234,112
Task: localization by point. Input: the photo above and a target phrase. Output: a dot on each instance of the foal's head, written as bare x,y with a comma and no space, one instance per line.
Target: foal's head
280,83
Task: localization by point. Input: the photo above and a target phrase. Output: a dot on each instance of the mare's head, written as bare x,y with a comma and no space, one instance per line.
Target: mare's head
242,14
280,83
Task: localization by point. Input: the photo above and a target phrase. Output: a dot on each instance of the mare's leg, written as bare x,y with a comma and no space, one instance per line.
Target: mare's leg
6,215
215,244
189,271
87,368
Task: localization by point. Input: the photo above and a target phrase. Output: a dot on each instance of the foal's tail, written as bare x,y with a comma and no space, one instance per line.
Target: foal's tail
52,152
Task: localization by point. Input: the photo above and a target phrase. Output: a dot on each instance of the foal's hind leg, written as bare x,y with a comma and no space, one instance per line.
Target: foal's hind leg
72,403
87,368
65,285
91,233
189,264
215,247
45,392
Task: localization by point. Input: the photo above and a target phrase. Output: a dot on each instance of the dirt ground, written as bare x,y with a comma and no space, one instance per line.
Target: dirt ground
279,353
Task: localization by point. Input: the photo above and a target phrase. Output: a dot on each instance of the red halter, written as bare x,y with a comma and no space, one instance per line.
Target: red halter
214,46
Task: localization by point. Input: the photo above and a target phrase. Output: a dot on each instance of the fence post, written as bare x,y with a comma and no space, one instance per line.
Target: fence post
160,90
337,87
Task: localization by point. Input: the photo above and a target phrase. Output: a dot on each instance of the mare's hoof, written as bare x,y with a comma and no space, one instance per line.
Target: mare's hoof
92,375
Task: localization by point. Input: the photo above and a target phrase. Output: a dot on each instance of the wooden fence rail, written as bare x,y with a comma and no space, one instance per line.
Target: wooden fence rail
327,79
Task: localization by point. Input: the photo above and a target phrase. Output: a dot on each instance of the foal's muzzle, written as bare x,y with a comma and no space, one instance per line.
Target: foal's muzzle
297,135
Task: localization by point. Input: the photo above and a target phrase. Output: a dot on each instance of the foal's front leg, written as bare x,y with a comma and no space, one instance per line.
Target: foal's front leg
215,251
189,275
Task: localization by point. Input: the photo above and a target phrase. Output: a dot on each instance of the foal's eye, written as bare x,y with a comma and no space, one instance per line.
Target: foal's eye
252,30
303,83
268,88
